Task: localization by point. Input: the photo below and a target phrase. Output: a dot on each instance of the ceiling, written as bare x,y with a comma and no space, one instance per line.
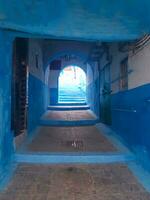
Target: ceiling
102,20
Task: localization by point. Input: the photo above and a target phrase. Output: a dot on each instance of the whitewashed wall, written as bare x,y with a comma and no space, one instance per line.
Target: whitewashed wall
138,66
139,62
35,48
117,57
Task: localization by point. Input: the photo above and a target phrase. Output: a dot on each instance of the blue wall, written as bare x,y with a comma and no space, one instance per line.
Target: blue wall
6,135
37,100
93,96
53,96
134,127
91,19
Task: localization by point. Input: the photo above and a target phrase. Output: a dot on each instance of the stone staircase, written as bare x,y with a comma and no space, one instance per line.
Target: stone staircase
72,95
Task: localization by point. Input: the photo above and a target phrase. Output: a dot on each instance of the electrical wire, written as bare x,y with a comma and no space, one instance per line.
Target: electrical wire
135,45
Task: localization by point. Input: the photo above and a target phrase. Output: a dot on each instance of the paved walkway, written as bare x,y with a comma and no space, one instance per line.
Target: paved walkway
77,182
41,181
69,115
70,139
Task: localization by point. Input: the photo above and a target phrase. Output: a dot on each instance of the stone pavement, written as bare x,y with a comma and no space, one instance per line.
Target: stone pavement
113,181
74,182
70,139
69,115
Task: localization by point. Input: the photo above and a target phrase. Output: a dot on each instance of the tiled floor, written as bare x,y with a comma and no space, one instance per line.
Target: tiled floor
82,182
69,115
70,139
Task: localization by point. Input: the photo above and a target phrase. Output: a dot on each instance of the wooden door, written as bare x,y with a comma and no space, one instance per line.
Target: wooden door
19,86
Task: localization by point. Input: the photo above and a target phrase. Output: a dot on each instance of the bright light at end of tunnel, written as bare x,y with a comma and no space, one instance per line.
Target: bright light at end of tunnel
72,76
72,84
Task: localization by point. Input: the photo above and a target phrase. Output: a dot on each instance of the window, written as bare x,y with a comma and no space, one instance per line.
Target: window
124,74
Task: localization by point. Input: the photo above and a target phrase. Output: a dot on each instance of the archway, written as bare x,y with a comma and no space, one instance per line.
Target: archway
56,66
72,85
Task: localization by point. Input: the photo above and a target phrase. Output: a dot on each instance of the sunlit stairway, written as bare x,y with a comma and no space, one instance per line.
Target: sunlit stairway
71,95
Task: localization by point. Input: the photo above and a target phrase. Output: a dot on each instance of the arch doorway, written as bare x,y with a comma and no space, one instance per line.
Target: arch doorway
72,85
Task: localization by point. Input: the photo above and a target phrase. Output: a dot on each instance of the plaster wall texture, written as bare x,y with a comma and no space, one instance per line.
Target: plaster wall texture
53,86
139,62
117,57
93,87
6,134
90,74
101,20
38,92
55,48
92,77
35,49
131,108
138,66
53,78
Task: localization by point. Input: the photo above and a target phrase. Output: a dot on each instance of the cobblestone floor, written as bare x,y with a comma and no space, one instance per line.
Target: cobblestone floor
68,115
82,182
70,139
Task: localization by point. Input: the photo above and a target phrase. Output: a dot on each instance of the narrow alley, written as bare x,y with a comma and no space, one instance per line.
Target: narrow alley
74,100
41,176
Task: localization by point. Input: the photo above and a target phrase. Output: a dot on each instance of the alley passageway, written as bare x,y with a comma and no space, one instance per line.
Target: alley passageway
75,138
74,100
100,182
105,178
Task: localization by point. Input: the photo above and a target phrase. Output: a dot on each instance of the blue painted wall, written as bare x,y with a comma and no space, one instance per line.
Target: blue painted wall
93,96
37,100
6,135
134,127
53,96
131,18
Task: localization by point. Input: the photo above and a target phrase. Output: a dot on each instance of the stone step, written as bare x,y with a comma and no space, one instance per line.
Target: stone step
83,107
64,158
72,99
87,122
69,100
71,103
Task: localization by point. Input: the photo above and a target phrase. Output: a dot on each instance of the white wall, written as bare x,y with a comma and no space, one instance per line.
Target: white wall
89,75
117,57
56,47
35,48
139,62
53,78
138,66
